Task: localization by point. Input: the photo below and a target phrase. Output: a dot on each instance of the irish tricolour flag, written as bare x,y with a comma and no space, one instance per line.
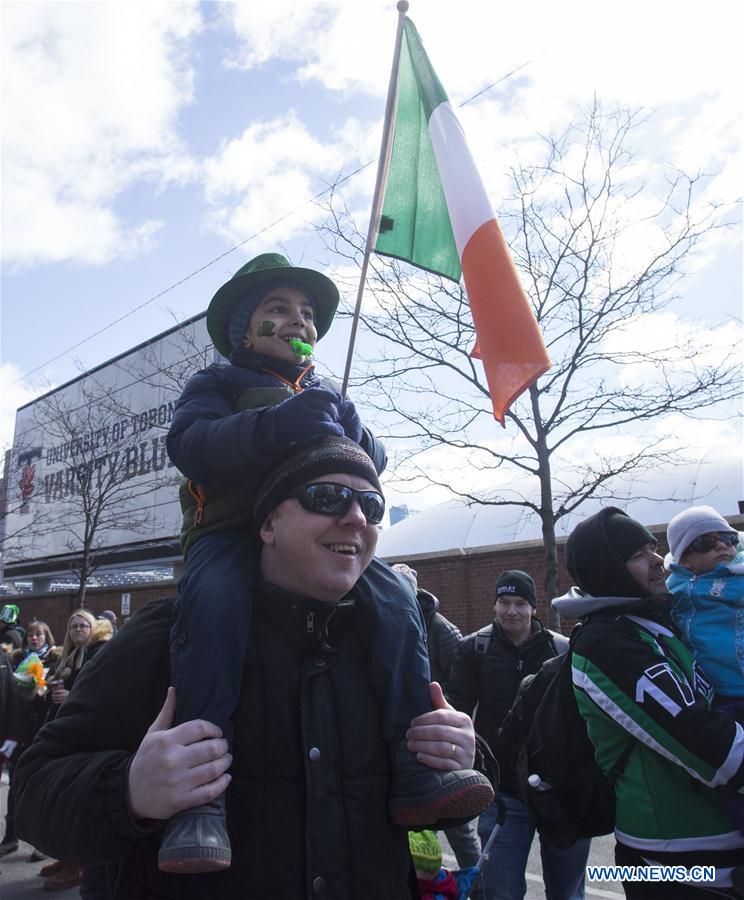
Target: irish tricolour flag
436,215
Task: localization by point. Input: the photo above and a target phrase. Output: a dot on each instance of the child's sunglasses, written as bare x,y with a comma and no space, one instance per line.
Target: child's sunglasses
707,542
331,499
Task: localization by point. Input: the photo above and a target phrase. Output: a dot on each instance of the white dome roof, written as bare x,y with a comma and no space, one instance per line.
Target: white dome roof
455,525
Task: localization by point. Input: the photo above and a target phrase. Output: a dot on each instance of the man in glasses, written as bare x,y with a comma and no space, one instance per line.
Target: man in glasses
309,772
639,689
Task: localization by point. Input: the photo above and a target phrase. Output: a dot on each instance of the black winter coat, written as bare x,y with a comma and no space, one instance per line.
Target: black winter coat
491,680
10,725
307,803
442,637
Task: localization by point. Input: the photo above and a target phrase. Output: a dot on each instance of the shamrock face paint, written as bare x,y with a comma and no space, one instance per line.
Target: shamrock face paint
266,329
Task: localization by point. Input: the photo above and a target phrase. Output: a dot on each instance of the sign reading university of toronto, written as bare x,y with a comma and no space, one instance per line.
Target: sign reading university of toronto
92,454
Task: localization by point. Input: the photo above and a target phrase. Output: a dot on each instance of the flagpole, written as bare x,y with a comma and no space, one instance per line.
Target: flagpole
386,147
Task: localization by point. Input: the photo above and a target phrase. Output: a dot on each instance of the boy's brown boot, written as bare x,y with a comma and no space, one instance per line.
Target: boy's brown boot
196,840
420,796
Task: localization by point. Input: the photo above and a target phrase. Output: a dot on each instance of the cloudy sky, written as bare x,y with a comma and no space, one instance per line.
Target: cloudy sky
148,149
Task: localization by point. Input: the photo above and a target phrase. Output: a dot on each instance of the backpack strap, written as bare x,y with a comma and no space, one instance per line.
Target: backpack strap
483,640
617,770
622,761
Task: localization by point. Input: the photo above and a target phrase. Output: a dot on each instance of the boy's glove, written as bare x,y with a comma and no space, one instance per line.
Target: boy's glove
312,413
349,419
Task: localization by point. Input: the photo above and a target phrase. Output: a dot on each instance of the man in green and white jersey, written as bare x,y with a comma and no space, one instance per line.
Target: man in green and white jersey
634,680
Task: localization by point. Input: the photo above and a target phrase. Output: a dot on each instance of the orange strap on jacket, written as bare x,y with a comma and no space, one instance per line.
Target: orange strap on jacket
295,385
197,492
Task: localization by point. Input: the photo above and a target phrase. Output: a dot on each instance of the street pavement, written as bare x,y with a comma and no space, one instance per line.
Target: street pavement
19,878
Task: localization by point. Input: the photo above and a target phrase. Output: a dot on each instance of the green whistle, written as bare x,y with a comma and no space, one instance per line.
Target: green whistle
300,348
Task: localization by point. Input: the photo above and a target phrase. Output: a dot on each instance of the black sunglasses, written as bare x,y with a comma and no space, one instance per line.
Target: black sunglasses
331,499
707,542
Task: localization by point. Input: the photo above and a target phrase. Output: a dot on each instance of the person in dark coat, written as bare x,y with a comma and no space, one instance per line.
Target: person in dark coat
30,711
488,670
442,640
229,423
9,731
442,636
309,770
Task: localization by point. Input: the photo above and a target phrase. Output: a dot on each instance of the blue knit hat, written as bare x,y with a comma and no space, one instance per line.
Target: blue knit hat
240,317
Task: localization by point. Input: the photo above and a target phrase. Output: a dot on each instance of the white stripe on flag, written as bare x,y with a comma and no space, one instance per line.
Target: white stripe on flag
467,202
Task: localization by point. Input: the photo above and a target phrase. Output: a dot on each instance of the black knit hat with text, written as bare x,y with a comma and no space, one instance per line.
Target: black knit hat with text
598,549
518,584
307,461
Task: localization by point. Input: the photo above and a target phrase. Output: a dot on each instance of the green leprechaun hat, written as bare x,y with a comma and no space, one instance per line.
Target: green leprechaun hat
266,267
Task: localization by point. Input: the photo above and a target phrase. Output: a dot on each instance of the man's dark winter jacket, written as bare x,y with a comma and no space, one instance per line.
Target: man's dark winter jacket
442,638
491,679
307,803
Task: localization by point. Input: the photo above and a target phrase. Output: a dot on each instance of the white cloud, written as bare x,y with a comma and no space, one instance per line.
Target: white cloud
647,55
680,342
272,169
91,97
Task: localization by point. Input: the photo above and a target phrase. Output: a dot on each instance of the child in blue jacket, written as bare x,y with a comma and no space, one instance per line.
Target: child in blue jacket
706,565
230,422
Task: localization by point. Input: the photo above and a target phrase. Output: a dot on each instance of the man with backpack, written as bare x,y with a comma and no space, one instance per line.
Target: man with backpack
487,673
644,698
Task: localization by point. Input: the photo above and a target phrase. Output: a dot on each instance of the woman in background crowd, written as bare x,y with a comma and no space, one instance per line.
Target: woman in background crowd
32,711
82,642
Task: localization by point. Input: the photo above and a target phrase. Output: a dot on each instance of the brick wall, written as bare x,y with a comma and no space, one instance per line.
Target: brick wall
464,582
55,608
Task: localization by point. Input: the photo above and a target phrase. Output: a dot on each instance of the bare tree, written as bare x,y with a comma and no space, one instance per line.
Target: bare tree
91,455
598,248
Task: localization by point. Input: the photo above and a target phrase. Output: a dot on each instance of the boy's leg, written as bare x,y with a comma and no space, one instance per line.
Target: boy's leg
395,634
391,622
210,627
208,642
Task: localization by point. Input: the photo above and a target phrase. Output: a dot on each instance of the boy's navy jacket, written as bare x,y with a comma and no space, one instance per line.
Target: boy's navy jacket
211,436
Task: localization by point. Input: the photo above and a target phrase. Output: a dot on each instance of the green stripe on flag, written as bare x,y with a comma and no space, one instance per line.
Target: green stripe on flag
415,224
430,87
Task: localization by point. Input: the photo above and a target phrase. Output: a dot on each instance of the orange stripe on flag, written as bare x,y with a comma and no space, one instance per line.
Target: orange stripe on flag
507,336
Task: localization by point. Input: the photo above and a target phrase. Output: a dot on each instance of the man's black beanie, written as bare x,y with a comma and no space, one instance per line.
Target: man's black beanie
518,584
307,461
598,549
